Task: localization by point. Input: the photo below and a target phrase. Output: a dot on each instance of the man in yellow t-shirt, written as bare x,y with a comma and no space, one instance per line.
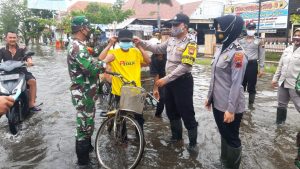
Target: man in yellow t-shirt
126,60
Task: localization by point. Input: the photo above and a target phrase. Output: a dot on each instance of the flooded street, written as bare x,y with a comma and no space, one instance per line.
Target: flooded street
47,138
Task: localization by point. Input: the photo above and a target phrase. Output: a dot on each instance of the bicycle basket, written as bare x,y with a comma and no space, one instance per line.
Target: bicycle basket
132,99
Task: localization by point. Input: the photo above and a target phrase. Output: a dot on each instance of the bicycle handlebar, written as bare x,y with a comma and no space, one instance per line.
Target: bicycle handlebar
112,73
122,78
125,81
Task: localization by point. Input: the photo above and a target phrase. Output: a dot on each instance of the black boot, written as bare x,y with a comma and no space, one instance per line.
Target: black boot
251,101
176,129
297,160
223,157
192,147
234,157
82,151
91,148
281,115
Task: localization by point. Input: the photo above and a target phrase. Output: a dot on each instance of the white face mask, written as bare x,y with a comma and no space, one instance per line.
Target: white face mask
250,32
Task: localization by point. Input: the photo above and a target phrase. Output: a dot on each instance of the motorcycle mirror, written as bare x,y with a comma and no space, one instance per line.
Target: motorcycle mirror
29,53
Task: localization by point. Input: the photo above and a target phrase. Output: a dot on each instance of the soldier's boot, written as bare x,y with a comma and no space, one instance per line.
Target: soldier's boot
176,130
223,157
281,115
251,101
234,157
82,151
91,147
297,160
192,147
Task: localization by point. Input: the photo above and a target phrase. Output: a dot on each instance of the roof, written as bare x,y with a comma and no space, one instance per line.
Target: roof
81,5
167,12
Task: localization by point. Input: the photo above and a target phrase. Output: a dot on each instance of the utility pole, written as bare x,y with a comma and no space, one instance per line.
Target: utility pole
287,26
158,16
259,11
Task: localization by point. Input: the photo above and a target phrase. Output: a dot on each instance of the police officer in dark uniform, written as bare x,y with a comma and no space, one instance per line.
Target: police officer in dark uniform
255,52
181,52
157,70
226,91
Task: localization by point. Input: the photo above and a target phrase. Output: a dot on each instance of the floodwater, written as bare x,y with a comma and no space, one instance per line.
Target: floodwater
47,138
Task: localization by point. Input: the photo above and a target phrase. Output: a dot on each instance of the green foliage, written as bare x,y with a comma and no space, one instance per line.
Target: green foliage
295,18
273,56
203,61
11,14
270,68
65,24
14,15
42,13
35,26
104,14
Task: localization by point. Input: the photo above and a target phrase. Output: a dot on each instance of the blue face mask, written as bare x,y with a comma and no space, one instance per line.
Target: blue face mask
126,45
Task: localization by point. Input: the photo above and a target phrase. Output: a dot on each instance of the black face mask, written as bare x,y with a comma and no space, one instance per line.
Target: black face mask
219,36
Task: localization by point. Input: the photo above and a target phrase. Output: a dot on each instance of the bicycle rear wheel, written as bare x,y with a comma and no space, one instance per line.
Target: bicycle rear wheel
120,145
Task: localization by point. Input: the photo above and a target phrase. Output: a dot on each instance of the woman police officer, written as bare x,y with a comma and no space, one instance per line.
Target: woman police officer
286,74
226,91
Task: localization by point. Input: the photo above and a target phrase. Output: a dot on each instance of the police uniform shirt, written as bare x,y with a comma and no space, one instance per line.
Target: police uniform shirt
174,49
288,67
228,69
254,50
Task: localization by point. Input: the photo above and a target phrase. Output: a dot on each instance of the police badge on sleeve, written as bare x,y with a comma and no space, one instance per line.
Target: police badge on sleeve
190,53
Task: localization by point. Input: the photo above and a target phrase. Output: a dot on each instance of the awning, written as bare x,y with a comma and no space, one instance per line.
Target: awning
56,5
125,23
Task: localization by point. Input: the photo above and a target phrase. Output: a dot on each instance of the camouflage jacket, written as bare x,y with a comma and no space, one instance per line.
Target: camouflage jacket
83,70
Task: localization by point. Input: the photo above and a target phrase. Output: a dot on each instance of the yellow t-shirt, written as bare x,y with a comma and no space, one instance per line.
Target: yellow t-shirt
128,64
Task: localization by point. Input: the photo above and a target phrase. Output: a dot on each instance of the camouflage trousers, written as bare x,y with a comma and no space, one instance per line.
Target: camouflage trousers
297,160
85,106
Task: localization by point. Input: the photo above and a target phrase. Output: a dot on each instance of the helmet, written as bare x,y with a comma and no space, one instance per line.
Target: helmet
251,25
78,22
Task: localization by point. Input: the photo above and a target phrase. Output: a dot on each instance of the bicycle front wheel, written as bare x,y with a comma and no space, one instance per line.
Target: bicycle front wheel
119,145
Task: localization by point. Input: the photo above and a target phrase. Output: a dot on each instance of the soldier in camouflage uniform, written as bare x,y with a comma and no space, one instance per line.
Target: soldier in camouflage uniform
84,73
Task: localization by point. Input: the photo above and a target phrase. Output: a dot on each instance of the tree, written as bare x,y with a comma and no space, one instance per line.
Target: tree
42,13
158,2
295,18
35,26
104,14
12,16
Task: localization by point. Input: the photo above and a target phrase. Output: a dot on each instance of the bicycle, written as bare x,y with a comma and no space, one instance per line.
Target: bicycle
120,139
148,84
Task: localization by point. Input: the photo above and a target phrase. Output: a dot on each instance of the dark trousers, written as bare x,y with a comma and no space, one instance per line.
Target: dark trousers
179,100
250,77
161,104
229,131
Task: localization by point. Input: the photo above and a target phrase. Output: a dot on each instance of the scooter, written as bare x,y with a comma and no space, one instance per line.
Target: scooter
13,83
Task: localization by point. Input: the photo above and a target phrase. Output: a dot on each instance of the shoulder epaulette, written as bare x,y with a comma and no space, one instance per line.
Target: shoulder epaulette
237,46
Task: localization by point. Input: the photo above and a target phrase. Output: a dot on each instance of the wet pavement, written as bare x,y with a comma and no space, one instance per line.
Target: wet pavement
47,138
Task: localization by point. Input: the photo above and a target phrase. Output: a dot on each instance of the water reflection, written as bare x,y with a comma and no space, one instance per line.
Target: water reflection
47,139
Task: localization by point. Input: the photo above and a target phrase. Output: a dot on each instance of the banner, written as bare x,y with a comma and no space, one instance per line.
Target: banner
273,14
56,5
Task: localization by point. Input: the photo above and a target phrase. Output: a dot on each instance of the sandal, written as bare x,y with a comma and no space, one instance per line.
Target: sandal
35,108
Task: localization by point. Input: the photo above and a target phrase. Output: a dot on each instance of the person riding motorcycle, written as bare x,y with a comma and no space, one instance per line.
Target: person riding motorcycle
12,51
